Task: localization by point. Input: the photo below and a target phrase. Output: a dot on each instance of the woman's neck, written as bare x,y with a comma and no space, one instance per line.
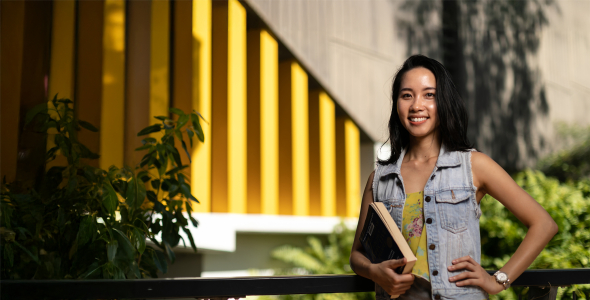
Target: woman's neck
423,149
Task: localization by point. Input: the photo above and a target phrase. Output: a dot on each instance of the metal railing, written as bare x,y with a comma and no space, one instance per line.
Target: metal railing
543,283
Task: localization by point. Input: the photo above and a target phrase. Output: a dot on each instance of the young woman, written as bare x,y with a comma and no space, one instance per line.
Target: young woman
432,185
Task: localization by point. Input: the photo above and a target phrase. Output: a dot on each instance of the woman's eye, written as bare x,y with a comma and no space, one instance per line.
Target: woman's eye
406,96
430,95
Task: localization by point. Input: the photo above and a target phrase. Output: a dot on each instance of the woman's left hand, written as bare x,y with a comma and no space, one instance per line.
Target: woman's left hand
475,275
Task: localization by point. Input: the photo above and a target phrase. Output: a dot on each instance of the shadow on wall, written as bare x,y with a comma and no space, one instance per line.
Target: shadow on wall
491,49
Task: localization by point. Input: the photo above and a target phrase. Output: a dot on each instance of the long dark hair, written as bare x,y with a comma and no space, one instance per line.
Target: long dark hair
452,114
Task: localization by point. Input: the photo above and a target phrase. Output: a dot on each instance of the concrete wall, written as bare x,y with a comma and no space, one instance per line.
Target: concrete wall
521,66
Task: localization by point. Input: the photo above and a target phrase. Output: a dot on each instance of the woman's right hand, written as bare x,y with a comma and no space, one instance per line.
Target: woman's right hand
385,276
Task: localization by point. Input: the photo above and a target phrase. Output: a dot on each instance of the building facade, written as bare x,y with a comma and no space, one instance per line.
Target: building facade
295,95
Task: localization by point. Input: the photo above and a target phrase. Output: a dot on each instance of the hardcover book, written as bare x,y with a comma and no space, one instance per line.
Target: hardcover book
383,241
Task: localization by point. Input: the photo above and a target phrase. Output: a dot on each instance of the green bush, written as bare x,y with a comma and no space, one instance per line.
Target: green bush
568,204
80,221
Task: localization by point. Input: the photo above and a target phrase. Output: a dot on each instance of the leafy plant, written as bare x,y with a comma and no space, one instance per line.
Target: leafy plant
318,258
79,221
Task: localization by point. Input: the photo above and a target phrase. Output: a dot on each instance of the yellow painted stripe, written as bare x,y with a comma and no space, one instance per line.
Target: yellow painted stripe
159,61
113,85
269,122
322,148
61,76
300,144
236,108
327,151
263,144
201,166
353,166
228,170
62,50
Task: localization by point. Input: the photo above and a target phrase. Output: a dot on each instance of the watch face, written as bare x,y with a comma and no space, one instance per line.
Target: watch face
501,277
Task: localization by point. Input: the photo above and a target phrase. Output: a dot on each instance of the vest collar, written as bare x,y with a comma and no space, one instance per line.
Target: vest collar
445,159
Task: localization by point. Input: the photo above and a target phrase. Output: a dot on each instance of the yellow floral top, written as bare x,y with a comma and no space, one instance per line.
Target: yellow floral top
414,231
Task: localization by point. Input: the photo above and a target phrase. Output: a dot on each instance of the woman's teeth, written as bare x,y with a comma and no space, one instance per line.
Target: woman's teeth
417,119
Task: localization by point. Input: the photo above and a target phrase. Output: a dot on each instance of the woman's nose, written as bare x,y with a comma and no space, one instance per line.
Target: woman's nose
418,104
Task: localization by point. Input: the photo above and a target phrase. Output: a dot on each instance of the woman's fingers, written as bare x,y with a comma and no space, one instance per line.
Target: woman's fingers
466,265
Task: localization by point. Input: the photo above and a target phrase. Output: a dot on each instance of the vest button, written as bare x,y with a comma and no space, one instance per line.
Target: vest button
437,297
429,221
427,199
435,272
432,178
432,247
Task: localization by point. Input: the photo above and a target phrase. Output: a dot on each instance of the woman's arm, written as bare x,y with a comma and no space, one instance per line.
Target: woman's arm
383,273
491,179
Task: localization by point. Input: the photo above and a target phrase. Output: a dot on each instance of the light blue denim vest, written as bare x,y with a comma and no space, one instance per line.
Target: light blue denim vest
451,215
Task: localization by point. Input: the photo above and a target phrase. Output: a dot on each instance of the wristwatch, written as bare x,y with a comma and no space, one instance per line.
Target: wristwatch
502,279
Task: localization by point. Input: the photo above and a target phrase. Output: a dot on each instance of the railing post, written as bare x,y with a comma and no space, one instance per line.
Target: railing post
542,292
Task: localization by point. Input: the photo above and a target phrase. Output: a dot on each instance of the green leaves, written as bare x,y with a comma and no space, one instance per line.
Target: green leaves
135,193
85,222
109,198
150,129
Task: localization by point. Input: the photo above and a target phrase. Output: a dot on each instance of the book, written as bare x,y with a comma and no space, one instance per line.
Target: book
382,240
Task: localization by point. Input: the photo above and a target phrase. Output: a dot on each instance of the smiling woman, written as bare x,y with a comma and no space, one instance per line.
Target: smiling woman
432,159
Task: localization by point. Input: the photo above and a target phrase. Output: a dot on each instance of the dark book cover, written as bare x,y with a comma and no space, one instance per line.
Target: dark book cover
377,240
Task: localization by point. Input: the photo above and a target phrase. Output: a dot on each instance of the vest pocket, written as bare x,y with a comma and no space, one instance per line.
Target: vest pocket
453,208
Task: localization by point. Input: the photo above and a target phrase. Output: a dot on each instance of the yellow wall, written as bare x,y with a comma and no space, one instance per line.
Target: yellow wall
271,146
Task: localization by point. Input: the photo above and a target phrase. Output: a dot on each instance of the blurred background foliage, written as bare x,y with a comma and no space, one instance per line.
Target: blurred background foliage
82,222
561,185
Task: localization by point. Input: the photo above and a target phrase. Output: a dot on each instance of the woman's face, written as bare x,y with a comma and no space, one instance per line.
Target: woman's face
416,104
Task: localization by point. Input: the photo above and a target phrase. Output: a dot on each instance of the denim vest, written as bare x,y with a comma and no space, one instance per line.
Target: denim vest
451,215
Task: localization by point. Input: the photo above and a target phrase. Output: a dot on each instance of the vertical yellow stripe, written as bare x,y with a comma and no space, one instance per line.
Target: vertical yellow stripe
353,167
113,85
61,76
236,107
263,122
300,144
327,151
269,123
62,50
159,61
201,166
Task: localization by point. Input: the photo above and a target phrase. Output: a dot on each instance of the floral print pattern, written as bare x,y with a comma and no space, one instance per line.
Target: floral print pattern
414,232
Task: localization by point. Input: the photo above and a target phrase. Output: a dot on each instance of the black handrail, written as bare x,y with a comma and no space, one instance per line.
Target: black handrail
235,287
